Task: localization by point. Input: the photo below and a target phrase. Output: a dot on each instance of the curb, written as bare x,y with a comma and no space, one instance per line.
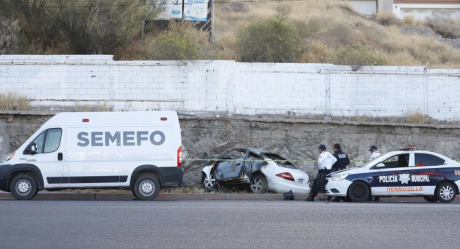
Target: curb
185,197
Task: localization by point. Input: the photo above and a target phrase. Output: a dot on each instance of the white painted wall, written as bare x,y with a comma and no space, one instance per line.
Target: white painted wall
422,11
364,7
235,88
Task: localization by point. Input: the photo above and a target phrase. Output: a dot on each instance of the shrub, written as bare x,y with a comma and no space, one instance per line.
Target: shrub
447,28
181,42
386,19
416,117
78,26
269,40
357,55
9,37
14,101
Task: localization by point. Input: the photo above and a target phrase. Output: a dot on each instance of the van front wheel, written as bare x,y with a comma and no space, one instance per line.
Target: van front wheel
23,187
146,188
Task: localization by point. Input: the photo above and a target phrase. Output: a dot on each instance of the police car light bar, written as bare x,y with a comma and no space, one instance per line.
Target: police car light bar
409,148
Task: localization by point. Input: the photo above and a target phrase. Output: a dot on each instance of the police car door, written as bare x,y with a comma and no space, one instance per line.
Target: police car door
429,170
391,176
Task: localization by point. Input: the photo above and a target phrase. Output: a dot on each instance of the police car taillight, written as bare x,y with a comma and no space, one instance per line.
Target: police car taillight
286,176
179,157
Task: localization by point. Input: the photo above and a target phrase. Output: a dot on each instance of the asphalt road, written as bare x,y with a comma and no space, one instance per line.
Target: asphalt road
227,224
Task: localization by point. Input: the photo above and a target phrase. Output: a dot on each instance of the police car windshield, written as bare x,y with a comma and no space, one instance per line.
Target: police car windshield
373,160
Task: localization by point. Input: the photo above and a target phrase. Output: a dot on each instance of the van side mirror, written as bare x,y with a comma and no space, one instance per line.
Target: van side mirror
380,165
32,149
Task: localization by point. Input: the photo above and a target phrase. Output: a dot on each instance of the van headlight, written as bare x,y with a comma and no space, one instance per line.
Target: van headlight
7,158
339,177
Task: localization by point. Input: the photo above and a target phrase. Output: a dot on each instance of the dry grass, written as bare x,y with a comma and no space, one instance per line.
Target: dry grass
14,101
416,117
323,26
100,106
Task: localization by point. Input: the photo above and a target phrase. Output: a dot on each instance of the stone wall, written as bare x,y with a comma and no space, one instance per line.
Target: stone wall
292,138
232,88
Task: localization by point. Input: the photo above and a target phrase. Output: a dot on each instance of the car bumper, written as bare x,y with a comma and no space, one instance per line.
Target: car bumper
337,188
282,185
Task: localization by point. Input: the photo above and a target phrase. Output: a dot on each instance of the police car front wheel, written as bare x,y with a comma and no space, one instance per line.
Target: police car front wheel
358,191
446,192
23,187
146,187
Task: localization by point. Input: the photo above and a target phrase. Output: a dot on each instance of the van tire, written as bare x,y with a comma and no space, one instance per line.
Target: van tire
23,187
146,188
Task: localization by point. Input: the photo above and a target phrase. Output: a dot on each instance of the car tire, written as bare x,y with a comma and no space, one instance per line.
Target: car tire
259,184
431,198
358,192
209,182
446,192
146,188
23,187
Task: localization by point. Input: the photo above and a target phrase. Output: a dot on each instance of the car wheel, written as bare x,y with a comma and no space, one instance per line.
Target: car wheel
23,187
431,198
446,192
259,184
358,192
209,182
146,188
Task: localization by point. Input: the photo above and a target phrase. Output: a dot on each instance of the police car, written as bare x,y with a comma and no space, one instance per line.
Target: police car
407,172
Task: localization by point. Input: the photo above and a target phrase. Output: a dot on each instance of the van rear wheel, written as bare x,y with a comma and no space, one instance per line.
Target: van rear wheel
146,188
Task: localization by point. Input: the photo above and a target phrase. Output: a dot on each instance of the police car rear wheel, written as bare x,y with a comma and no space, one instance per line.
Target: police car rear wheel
446,192
23,187
358,192
147,188
430,198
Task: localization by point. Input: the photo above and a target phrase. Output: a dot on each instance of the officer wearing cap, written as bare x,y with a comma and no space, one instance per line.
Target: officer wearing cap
325,162
374,154
342,162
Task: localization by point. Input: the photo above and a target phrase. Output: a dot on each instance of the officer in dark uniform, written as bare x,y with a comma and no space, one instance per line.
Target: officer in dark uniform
342,162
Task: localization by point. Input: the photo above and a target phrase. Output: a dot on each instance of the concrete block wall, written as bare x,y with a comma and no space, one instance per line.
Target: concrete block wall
231,87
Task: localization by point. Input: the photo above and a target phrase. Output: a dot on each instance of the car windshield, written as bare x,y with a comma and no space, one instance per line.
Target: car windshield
283,162
373,160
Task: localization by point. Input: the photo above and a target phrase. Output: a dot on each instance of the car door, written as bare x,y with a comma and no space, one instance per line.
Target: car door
391,175
429,170
48,157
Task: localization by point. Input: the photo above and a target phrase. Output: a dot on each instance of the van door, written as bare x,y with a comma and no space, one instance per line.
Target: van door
49,157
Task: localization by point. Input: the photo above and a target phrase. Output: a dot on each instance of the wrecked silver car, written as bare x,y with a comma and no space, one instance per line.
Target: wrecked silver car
262,171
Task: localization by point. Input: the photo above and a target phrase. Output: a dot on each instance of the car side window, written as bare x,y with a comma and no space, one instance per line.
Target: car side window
53,140
39,142
48,141
401,160
422,159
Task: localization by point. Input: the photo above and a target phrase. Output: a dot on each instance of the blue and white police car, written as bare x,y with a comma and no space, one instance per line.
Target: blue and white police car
407,172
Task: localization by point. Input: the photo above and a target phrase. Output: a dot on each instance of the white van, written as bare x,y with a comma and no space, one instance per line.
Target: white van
140,151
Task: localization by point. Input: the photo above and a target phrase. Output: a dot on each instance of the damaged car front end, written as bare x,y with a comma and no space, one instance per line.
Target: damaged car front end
262,171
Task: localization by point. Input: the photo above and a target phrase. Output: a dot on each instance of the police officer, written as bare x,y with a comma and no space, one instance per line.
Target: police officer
325,162
342,162
374,154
